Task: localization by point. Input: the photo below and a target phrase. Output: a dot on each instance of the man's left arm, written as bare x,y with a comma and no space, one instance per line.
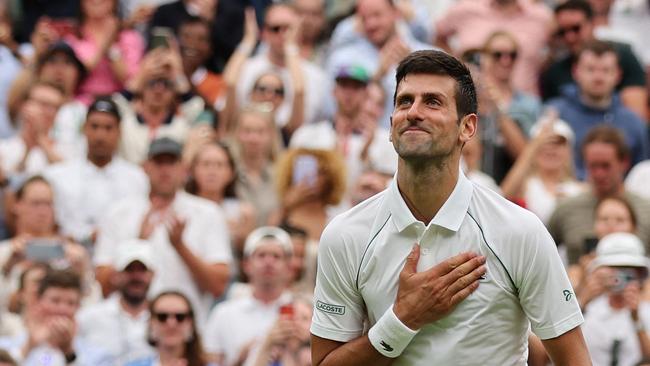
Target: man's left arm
568,349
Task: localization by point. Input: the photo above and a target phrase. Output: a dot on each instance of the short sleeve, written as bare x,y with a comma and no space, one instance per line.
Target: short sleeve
633,74
338,305
545,293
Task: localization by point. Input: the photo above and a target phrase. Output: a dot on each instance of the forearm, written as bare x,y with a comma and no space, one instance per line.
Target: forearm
513,184
298,84
209,278
120,70
515,141
357,352
636,98
644,342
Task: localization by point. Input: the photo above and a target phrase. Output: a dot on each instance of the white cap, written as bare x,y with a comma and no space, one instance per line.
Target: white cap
620,250
560,128
258,236
134,250
316,136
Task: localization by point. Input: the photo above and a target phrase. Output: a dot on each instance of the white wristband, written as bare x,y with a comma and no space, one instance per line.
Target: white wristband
389,335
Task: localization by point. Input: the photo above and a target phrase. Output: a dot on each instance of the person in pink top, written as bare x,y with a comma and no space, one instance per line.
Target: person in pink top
468,23
111,54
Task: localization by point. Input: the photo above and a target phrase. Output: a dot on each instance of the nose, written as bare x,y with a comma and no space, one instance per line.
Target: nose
414,113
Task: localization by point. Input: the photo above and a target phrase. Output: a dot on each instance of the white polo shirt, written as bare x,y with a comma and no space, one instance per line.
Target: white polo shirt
363,251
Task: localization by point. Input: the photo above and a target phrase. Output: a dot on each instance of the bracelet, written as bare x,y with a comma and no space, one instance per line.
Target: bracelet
389,335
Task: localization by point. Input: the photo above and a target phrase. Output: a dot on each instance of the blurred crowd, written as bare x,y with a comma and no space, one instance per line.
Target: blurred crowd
167,166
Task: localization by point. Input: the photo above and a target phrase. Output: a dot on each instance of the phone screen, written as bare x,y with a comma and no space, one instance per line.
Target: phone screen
44,250
305,169
160,37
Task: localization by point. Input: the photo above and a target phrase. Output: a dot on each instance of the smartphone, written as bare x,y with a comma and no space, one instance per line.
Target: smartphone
590,245
286,310
160,37
44,250
305,169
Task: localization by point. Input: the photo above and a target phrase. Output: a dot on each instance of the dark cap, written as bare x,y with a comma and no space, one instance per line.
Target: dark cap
66,49
353,72
165,146
104,104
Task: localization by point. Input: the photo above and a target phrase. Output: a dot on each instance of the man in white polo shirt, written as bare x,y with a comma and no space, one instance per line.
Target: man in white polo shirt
484,271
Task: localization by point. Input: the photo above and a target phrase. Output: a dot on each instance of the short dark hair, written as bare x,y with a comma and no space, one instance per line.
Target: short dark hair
5,357
598,48
608,134
578,5
60,278
440,63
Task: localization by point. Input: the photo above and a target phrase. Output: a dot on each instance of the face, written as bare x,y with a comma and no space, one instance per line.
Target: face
212,169
43,103
97,8
159,93
350,95
312,13
268,89
377,19
102,132
277,22
134,282
500,57
612,216
194,42
62,71
254,134
373,105
369,184
425,122
297,262
604,169
35,210
573,29
57,301
268,264
171,324
554,154
597,76
166,174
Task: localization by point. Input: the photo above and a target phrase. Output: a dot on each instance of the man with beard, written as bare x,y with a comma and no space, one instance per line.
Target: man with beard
441,271
86,186
119,323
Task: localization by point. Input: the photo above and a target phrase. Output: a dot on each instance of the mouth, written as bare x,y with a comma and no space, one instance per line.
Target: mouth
413,129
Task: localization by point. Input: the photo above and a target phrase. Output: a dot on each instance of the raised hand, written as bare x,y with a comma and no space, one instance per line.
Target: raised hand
428,296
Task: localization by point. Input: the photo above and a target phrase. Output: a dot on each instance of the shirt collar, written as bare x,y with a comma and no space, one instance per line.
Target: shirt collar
451,214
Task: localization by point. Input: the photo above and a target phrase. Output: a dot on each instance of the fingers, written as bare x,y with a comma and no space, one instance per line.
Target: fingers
475,270
410,266
452,263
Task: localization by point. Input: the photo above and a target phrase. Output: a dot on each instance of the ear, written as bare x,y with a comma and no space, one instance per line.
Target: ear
468,127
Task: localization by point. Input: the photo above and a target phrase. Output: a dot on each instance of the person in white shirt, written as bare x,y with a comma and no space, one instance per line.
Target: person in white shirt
125,314
85,187
616,318
32,148
236,325
441,271
188,234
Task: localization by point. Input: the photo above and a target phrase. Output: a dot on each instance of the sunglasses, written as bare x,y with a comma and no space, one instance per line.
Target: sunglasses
180,317
561,32
277,28
264,89
497,55
162,82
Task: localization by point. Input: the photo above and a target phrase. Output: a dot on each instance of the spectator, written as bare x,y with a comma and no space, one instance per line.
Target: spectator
471,23
235,325
196,48
32,148
188,234
378,47
58,15
254,149
574,29
37,238
60,66
52,332
308,190
351,133
369,183
299,268
10,64
269,86
85,187
543,174
158,103
279,36
507,113
594,100
125,314
6,359
213,177
173,332
226,17
287,342
606,159
23,300
312,38
471,156
616,319
638,178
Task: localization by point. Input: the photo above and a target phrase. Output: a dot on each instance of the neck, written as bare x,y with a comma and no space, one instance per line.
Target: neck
169,355
99,161
214,196
596,102
276,58
551,176
268,293
415,181
254,162
616,301
343,123
133,309
162,199
619,190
